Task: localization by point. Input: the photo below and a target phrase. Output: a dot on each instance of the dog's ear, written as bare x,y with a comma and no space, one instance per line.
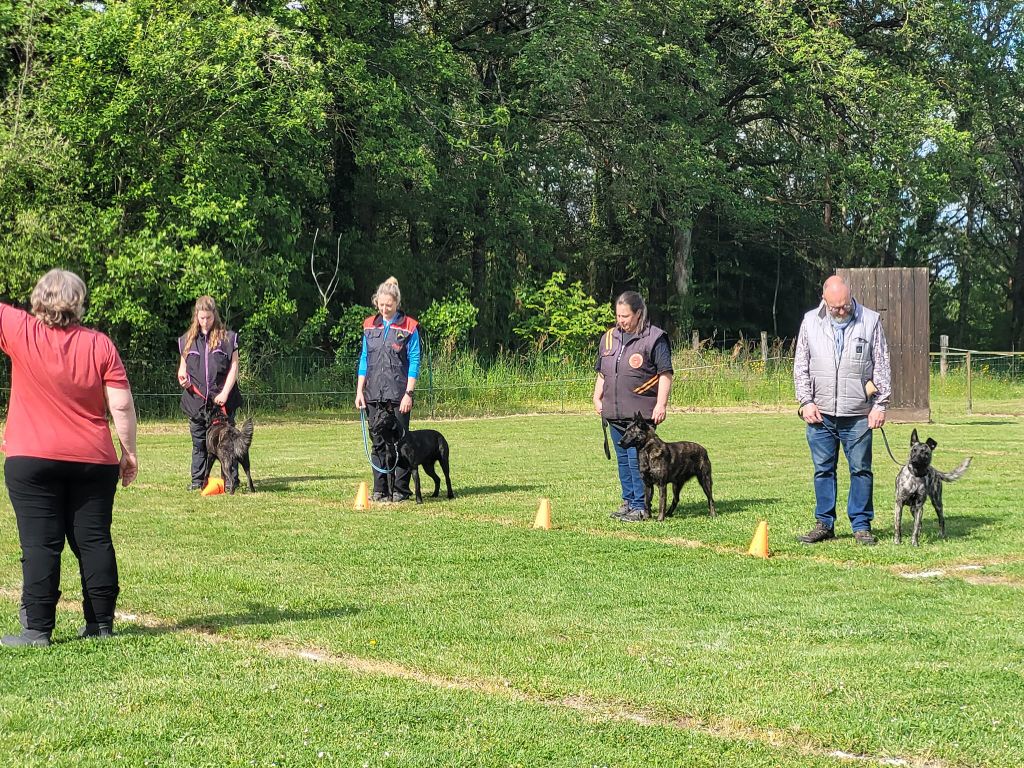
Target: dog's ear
913,438
639,418
931,443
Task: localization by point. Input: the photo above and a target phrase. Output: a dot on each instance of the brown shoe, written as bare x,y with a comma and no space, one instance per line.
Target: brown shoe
865,538
817,534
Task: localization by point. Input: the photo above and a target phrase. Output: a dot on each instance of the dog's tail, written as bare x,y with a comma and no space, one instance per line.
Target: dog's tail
242,446
957,473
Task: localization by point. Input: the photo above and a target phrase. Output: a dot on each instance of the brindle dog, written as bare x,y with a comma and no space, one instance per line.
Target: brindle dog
227,444
662,463
919,479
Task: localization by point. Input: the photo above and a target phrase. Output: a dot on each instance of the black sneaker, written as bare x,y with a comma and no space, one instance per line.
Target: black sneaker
865,537
817,534
400,497
379,496
102,629
196,487
29,638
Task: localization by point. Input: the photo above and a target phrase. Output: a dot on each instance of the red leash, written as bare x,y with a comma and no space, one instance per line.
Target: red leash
195,391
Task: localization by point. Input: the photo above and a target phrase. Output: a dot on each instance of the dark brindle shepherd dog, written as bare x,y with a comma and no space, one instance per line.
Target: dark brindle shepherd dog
662,463
416,448
227,444
919,479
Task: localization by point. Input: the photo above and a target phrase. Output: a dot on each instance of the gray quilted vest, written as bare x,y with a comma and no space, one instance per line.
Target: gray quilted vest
837,386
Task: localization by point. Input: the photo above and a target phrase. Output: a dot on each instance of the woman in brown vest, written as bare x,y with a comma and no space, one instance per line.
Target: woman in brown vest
634,375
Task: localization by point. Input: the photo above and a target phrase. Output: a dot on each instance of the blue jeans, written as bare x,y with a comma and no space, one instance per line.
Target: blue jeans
629,471
824,439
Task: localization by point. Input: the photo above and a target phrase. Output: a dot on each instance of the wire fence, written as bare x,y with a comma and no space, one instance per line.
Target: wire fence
747,376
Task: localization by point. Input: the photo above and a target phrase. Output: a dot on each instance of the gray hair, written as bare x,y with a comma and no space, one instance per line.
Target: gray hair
635,302
58,299
388,288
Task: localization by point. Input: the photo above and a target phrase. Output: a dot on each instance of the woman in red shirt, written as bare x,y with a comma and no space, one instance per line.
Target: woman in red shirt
61,469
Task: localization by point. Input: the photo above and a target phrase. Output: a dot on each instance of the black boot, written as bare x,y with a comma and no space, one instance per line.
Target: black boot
28,638
99,629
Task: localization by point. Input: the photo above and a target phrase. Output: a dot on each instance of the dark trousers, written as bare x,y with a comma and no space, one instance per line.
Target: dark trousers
384,454
197,428
54,501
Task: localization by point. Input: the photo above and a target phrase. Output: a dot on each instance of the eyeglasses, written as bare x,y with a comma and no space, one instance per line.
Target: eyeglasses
841,309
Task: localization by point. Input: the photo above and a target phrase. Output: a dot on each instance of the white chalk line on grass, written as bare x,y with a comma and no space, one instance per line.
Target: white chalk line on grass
595,709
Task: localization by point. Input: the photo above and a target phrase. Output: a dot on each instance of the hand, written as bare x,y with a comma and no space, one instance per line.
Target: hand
658,415
406,405
221,398
360,401
876,418
599,406
811,414
128,468
183,378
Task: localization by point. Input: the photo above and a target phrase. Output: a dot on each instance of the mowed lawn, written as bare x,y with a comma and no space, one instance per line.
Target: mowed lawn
286,629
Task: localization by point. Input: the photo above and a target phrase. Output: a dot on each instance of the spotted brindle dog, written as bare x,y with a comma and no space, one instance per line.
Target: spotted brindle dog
663,464
919,479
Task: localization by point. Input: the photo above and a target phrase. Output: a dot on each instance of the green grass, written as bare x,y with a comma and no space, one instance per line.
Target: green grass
453,634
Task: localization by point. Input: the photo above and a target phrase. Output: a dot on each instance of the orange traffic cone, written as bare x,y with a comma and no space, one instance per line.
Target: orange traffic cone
759,544
362,497
215,486
543,518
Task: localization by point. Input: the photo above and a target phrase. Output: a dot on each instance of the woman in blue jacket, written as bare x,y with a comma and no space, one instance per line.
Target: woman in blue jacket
388,367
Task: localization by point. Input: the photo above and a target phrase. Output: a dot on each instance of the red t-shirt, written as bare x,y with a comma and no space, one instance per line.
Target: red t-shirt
58,407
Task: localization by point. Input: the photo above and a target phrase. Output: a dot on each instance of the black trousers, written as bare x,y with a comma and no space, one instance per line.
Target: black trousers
54,501
384,455
197,429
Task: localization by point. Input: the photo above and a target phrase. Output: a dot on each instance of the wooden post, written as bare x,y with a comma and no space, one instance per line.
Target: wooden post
943,351
764,348
696,341
970,404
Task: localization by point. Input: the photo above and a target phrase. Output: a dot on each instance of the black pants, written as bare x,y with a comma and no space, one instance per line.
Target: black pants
54,501
197,428
384,455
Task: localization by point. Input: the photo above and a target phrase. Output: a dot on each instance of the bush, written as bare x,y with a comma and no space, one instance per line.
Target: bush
561,317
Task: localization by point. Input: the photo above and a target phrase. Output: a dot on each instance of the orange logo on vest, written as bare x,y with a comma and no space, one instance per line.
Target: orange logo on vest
635,361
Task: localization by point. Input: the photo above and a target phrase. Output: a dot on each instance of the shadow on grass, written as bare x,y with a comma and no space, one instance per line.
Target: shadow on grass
957,527
272,484
723,506
254,614
484,490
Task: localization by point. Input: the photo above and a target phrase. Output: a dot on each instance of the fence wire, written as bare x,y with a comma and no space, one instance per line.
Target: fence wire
978,382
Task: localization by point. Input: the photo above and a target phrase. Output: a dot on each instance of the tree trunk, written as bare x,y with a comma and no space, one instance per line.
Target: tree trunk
1017,286
963,267
682,269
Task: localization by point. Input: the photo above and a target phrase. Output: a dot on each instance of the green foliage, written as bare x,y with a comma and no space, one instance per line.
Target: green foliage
348,332
695,150
562,317
449,321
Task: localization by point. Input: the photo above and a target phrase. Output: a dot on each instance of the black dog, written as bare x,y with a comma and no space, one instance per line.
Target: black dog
919,479
227,444
662,463
416,448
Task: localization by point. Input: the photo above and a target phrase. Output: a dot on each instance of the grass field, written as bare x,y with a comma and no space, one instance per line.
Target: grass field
285,629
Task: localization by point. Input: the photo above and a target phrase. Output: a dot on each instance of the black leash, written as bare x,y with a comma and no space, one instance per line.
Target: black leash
886,439
604,428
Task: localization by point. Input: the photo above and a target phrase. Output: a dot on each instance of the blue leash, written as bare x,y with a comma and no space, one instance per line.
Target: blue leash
366,446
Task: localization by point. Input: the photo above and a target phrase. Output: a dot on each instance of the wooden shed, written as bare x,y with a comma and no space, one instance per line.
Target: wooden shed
900,296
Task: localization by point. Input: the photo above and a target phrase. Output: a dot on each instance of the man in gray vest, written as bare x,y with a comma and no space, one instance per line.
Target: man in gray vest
843,382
